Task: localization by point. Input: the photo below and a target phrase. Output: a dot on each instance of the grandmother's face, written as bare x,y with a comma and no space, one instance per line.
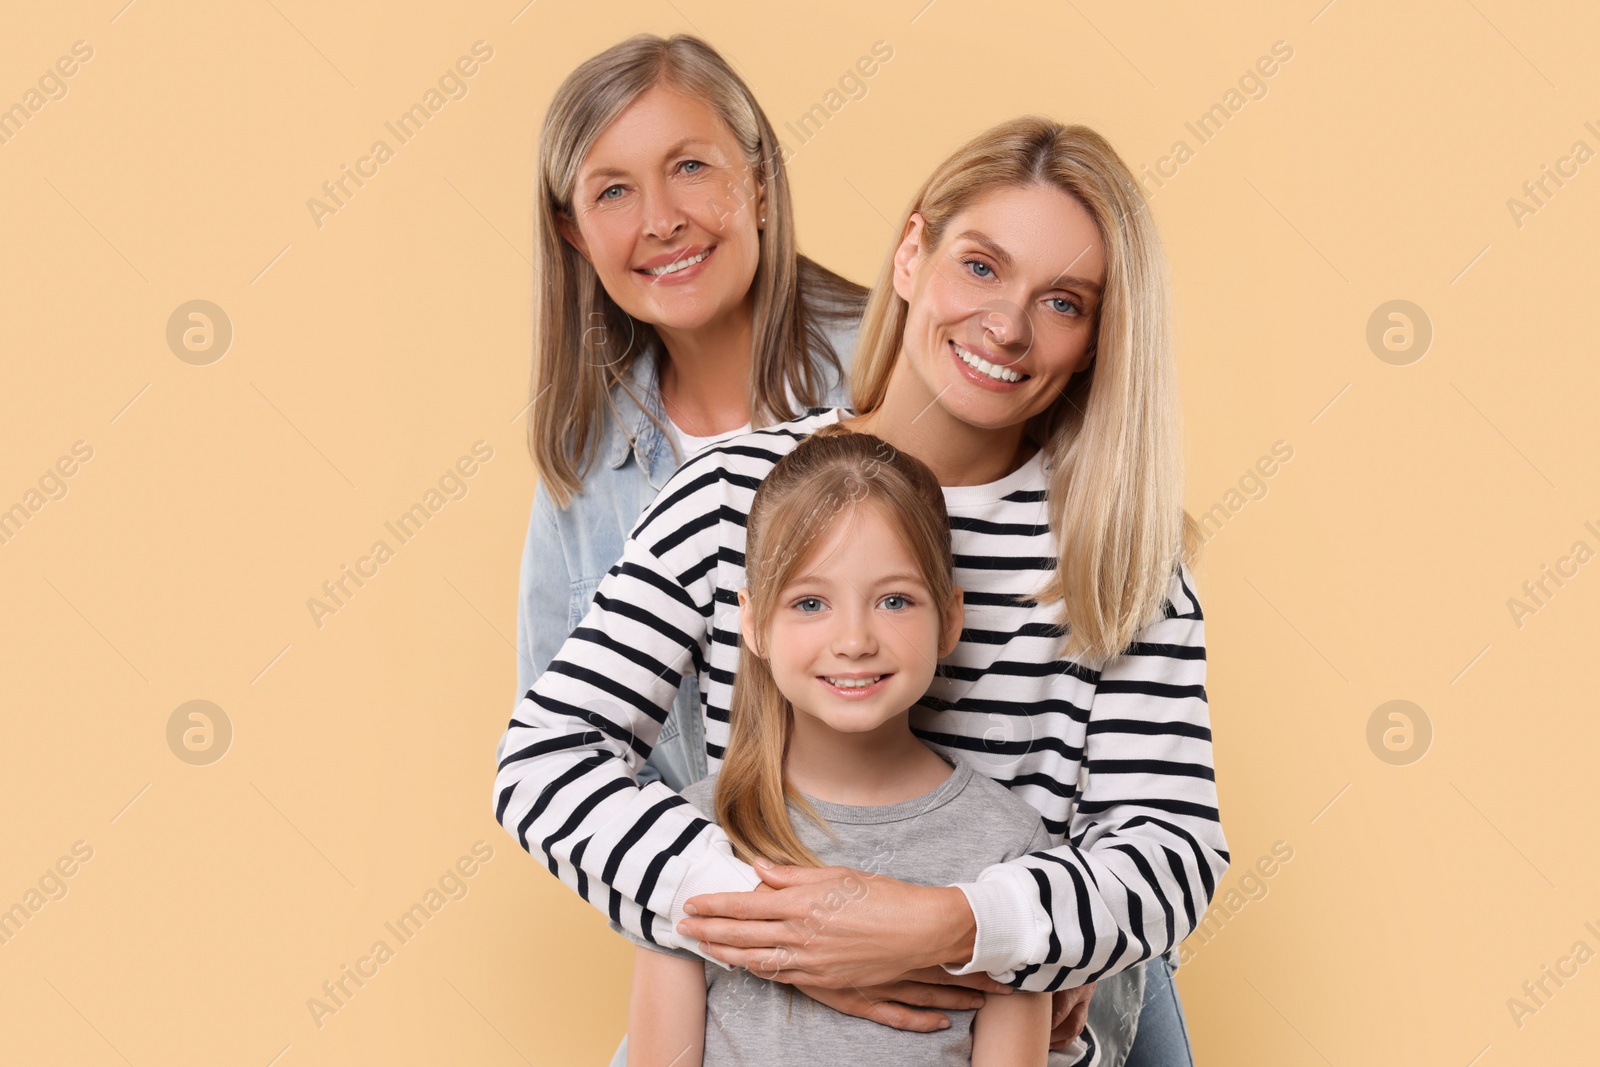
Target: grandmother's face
1004,310
668,213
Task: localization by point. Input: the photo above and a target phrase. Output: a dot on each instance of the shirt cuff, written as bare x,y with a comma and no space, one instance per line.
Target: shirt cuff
1013,927
715,870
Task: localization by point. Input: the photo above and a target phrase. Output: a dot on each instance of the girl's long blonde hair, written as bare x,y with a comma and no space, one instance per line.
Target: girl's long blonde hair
823,481
583,342
1114,438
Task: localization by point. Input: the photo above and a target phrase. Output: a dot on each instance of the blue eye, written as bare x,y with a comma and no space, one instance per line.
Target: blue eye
808,600
693,163
901,597
1060,300
979,267
605,194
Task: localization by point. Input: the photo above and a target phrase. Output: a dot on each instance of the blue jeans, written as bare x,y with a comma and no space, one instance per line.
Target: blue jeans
1162,1037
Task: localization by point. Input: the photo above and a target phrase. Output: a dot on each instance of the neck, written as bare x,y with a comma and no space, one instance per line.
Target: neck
957,452
705,373
884,766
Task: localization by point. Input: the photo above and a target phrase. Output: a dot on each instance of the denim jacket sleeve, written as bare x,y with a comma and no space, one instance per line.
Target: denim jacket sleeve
542,593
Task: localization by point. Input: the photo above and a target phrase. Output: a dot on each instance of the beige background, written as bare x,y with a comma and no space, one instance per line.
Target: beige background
372,352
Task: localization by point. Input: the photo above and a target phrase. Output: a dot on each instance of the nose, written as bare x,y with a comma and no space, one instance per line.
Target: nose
663,217
853,634
1006,324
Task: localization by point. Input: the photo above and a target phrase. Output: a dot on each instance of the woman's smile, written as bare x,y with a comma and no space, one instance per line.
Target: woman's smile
992,374
677,267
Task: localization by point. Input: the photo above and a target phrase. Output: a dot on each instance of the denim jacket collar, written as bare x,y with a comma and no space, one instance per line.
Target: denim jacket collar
633,431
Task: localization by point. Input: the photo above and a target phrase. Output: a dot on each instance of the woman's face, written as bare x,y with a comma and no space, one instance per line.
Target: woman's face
1015,283
666,210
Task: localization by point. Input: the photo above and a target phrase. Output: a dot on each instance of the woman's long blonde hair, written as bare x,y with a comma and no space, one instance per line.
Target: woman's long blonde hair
583,342
1114,438
825,480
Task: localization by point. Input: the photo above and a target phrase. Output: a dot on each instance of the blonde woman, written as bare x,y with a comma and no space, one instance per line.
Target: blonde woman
1017,342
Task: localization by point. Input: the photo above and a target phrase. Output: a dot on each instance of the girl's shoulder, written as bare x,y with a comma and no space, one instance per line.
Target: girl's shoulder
997,809
702,795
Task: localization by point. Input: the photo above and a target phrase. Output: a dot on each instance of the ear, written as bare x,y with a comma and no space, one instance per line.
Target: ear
747,623
955,616
761,204
572,235
908,256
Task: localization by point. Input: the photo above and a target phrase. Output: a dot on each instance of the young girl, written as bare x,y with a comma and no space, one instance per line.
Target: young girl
850,602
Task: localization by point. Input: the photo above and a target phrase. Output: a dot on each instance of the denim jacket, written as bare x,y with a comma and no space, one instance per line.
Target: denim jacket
568,551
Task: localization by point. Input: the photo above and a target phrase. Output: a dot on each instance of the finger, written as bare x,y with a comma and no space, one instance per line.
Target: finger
859,1003
782,877
923,995
1063,1032
746,905
1076,1020
901,1017
740,933
977,980
776,964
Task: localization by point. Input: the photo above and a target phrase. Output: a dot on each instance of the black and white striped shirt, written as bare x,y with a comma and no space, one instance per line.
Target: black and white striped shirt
1117,761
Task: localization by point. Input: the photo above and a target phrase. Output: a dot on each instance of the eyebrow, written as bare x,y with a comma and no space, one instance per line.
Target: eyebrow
616,172
888,579
1003,257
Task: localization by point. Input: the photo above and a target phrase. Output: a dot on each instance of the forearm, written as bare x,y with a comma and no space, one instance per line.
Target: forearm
1012,1031
569,797
666,1011
1061,917
1144,848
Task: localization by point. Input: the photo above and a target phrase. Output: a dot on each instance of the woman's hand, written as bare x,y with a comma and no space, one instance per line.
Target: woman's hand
1070,1012
833,927
912,1003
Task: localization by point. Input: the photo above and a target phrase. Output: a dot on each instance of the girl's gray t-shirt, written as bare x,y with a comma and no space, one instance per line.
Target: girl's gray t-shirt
943,837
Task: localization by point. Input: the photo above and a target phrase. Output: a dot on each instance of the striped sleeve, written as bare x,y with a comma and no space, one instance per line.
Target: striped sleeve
566,786
1145,848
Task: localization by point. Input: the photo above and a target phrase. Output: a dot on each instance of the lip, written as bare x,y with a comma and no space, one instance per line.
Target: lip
854,694
673,257
977,377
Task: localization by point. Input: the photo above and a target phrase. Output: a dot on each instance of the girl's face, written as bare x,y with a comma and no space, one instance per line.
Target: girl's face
1015,284
855,636
666,210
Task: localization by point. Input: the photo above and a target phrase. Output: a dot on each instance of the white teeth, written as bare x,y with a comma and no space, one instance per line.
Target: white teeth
673,268
983,366
853,683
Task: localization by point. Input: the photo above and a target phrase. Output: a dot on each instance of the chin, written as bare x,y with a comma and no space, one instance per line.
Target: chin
986,411
687,314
